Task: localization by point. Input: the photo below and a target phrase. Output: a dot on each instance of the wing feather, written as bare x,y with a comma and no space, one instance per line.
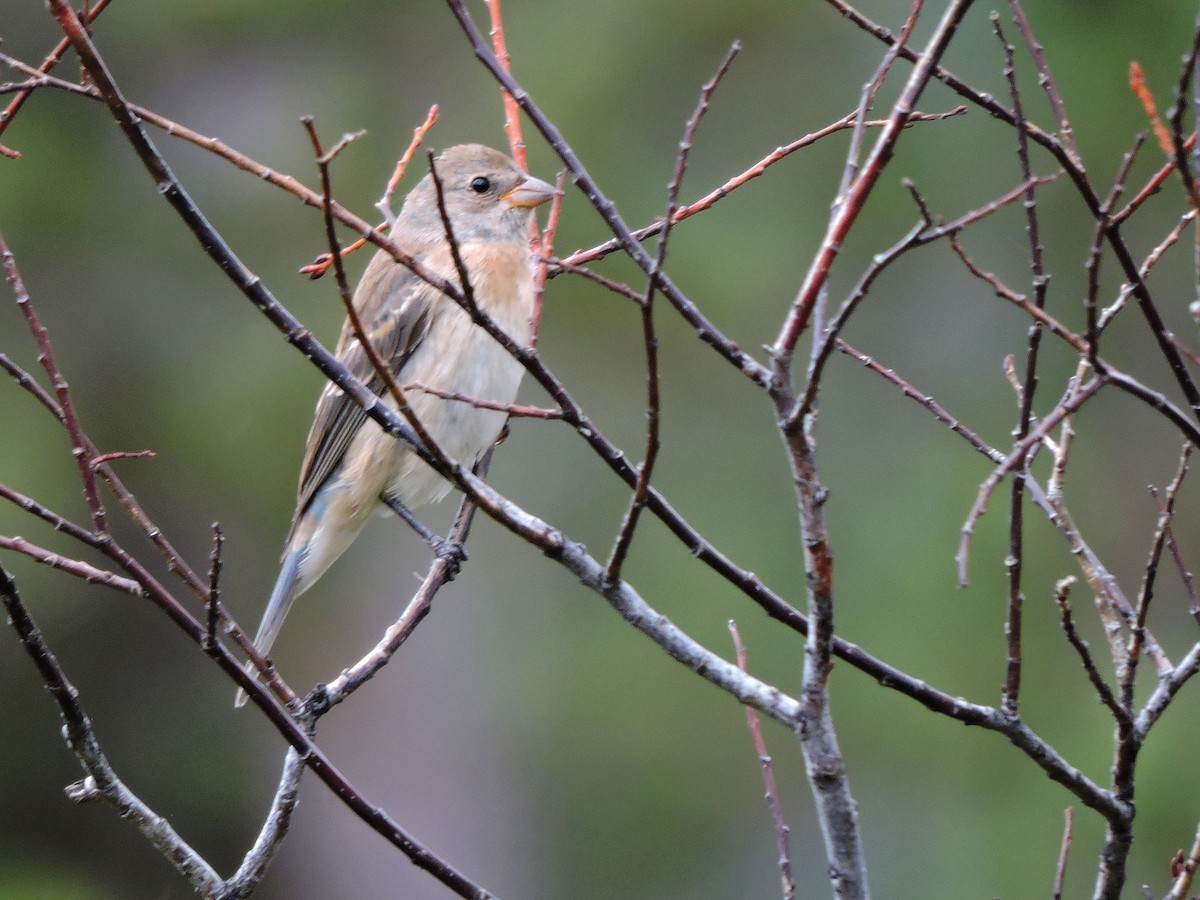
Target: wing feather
396,309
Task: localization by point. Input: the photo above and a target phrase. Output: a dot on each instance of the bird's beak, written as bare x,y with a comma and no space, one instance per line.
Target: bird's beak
530,192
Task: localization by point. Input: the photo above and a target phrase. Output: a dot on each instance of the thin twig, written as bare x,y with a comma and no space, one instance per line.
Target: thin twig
616,287
1092,266
768,775
384,204
545,250
512,112
52,59
1064,850
706,202
1062,592
80,569
870,89
514,410
1014,561
1166,512
79,440
1172,237
641,489
1057,107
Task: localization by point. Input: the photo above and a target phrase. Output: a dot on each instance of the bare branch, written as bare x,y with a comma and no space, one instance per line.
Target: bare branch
100,781
649,333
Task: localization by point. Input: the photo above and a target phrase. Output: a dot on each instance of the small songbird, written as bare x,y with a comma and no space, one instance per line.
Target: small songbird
428,339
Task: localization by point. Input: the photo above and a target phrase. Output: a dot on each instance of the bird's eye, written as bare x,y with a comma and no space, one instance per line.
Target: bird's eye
480,185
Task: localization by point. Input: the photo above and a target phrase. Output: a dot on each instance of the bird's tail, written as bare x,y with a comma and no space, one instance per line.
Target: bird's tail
282,596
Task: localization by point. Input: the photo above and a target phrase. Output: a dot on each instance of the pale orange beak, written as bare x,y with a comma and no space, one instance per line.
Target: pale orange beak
530,192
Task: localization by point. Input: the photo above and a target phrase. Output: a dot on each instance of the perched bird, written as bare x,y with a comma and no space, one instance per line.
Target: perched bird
427,338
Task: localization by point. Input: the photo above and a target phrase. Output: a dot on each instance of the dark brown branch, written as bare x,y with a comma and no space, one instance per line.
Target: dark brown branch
1062,591
214,587
1057,107
1014,561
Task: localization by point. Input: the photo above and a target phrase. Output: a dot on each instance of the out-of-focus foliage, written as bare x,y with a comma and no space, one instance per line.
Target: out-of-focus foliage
525,733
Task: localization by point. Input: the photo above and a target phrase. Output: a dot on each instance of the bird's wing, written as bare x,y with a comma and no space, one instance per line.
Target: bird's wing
396,309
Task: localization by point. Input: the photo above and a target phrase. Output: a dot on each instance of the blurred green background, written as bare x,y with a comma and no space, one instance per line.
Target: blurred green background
526,733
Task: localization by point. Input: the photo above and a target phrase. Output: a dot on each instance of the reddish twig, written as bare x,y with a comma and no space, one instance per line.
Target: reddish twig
324,261
759,168
97,461
543,250
70,419
768,775
512,409
384,204
512,112
52,59
1137,84
1152,186
1064,850
1183,871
